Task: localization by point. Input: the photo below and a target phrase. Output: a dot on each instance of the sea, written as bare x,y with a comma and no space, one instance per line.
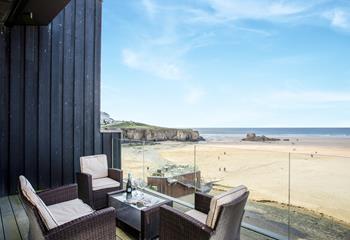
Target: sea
287,132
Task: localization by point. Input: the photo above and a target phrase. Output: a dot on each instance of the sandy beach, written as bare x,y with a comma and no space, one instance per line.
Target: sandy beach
319,168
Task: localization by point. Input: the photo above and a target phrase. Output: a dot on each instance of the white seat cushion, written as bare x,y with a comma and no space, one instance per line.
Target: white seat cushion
67,211
44,212
95,165
102,183
219,200
202,217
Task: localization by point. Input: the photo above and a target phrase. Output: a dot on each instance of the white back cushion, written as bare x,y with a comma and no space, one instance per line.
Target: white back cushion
221,199
95,165
34,199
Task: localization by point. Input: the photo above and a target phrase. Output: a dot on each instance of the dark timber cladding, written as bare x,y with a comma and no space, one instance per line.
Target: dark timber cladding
4,111
50,97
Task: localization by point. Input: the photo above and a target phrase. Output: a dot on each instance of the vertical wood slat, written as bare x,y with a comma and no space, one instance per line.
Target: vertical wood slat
68,93
4,111
79,83
89,75
97,76
31,105
16,144
44,106
56,100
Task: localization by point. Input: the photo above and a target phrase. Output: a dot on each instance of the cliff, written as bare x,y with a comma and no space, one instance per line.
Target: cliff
161,134
141,131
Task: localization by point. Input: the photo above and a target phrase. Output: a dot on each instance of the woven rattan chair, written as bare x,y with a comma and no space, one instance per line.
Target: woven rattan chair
203,222
96,180
91,225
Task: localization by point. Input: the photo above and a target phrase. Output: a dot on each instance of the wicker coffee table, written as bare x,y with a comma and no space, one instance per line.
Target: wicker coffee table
140,220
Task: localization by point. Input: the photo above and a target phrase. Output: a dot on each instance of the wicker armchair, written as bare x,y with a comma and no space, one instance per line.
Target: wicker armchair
198,223
98,225
96,180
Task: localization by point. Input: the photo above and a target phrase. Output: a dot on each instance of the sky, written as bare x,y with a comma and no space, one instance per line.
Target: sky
227,63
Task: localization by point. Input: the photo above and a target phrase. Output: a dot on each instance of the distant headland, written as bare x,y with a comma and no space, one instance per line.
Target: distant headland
141,131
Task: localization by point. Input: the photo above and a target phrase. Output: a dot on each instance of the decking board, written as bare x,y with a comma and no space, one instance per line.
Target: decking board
11,231
1,228
20,215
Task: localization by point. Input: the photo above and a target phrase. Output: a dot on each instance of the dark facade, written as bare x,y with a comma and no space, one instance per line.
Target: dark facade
50,97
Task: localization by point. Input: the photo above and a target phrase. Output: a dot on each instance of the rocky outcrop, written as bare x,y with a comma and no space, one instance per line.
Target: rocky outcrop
161,134
252,137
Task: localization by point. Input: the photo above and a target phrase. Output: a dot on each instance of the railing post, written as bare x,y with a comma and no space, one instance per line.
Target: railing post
289,196
143,160
111,146
116,150
194,167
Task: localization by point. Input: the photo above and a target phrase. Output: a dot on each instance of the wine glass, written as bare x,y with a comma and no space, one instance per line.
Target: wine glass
140,185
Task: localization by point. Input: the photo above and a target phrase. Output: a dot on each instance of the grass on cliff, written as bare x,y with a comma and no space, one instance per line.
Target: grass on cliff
131,124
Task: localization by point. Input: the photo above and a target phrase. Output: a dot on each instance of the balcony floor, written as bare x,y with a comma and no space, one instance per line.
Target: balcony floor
14,222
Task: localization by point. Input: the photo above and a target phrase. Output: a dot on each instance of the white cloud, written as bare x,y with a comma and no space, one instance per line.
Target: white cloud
254,9
194,96
151,64
150,7
311,96
338,18
224,10
131,59
256,31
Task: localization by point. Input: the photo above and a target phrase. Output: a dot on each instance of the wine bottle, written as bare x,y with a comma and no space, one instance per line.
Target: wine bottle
128,187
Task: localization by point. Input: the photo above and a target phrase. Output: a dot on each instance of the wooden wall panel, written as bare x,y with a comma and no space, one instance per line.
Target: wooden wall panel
97,75
44,106
50,97
31,105
78,134
4,111
56,99
89,77
16,116
68,94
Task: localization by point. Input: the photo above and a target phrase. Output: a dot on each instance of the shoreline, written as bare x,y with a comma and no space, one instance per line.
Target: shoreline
323,146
